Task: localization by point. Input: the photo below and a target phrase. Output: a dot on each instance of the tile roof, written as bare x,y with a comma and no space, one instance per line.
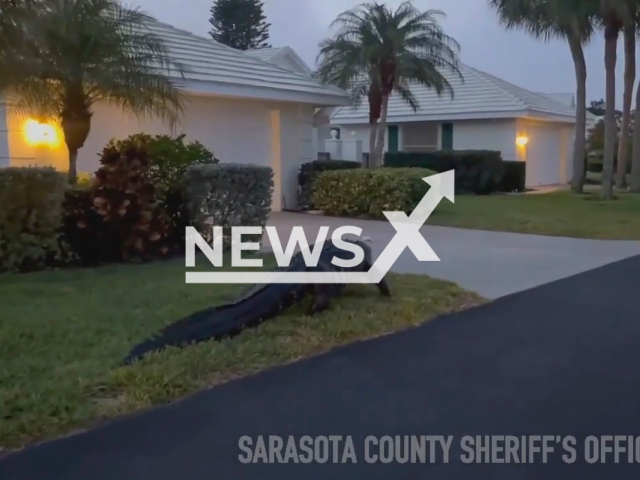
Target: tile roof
205,60
480,95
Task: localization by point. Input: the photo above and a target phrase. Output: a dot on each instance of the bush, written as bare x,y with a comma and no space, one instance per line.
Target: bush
169,157
120,215
30,217
228,195
84,232
307,174
84,180
477,171
369,192
514,178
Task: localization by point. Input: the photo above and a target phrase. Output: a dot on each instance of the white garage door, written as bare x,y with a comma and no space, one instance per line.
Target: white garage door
544,155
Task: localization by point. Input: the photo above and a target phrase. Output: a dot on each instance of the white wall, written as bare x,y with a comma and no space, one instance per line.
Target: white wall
548,153
467,135
236,131
296,144
359,132
487,135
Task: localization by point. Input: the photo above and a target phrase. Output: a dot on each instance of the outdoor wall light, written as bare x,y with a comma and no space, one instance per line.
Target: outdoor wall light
41,134
522,140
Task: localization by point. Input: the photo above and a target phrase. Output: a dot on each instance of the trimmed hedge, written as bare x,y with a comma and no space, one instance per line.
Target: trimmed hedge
514,178
30,217
228,195
477,171
369,192
308,172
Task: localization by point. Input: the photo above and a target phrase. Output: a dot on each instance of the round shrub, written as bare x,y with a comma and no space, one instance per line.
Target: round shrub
369,192
169,157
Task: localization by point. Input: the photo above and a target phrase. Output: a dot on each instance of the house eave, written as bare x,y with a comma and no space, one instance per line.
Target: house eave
447,117
264,93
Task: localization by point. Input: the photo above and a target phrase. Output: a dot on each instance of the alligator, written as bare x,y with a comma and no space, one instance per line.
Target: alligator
259,303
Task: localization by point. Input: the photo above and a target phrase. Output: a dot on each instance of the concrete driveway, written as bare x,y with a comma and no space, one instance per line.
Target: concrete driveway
493,264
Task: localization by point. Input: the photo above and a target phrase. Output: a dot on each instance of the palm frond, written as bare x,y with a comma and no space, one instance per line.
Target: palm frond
388,51
80,52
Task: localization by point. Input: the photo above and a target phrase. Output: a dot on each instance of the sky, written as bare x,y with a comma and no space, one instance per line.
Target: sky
485,44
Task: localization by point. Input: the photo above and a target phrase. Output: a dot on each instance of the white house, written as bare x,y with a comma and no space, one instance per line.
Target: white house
485,113
246,107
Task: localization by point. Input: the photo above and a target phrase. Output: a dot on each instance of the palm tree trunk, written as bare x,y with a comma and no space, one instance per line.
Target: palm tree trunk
629,80
610,127
382,128
373,125
73,173
635,158
579,144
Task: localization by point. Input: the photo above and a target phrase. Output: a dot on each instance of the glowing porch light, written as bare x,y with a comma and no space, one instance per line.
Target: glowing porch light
522,140
41,134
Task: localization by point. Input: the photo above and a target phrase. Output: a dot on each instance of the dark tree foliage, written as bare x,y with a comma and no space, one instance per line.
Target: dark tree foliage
597,107
240,24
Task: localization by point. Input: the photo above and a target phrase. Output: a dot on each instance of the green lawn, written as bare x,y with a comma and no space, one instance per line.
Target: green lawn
63,334
560,214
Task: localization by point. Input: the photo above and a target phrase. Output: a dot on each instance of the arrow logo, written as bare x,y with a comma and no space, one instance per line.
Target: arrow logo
407,236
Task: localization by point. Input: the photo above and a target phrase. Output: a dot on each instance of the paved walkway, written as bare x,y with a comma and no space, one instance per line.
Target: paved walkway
561,359
490,263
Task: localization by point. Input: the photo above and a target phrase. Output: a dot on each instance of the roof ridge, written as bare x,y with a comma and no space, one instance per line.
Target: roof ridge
279,52
216,44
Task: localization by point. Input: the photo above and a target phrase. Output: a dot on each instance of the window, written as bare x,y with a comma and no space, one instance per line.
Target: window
420,137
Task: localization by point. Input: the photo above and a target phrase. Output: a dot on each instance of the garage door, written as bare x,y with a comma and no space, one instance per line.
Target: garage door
544,152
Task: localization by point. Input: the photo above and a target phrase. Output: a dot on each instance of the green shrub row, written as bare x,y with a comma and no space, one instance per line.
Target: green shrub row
30,217
228,195
477,171
309,171
369,192
134,208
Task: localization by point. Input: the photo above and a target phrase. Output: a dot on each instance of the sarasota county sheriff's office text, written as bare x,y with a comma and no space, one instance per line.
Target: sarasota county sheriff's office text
468,449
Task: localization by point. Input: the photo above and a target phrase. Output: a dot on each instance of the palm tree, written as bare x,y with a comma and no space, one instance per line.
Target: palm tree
613,15
629,35
380,51
344,64
77,53
572,20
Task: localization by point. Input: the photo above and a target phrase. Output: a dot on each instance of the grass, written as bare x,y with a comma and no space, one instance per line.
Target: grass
63,334
558,214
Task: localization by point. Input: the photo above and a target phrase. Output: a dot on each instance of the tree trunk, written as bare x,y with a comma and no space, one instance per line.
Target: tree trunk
579,144
373,125
635,158
610,127
629,80
375,105
76,124
382,129
73,173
